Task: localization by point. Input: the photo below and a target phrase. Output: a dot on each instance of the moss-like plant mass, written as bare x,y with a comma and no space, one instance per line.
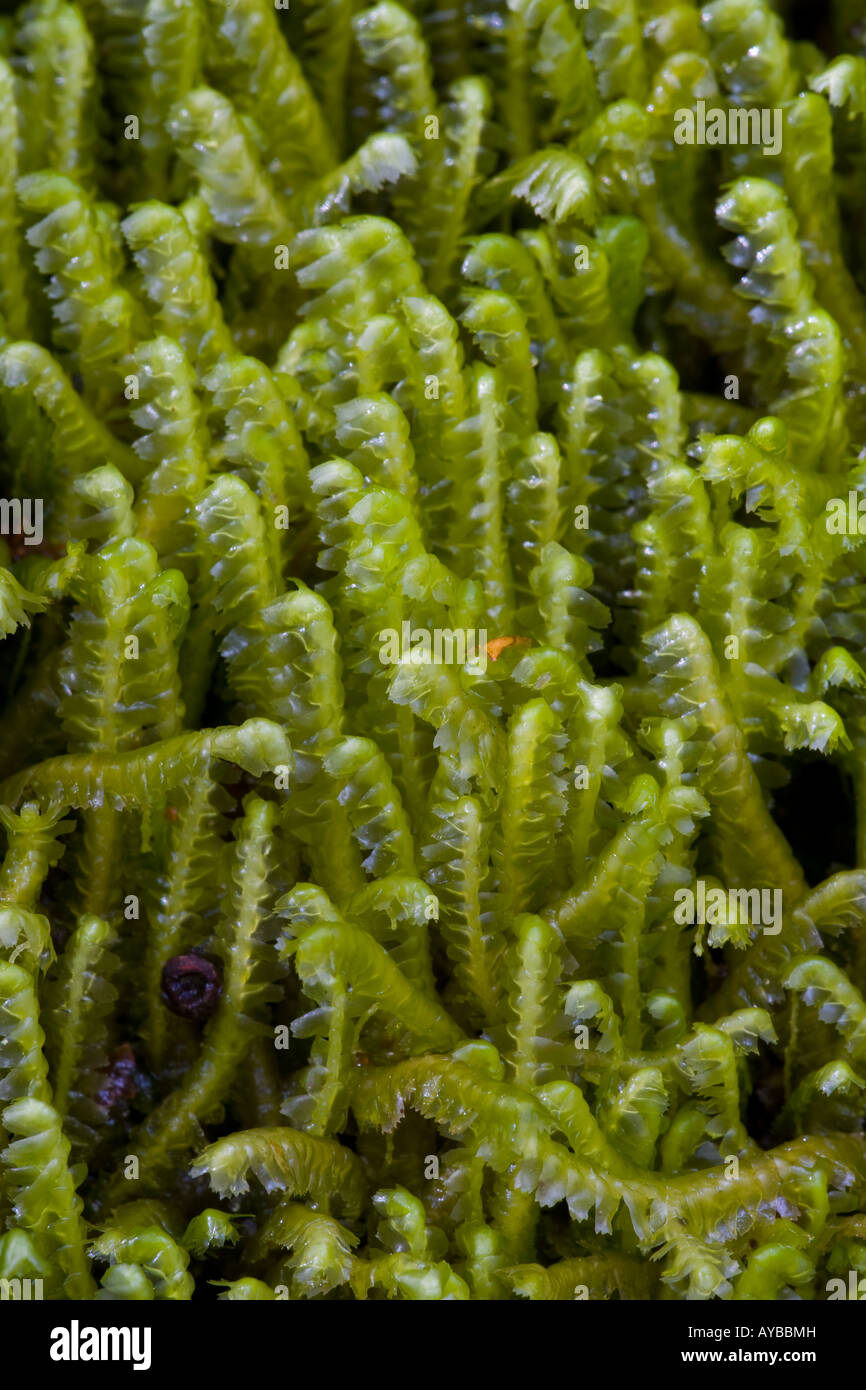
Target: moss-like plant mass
433,750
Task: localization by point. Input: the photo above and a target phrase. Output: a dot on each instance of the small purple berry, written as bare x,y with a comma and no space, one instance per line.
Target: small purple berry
191,985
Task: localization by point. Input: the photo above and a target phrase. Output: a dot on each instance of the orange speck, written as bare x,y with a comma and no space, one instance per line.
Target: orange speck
171,813
496,645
